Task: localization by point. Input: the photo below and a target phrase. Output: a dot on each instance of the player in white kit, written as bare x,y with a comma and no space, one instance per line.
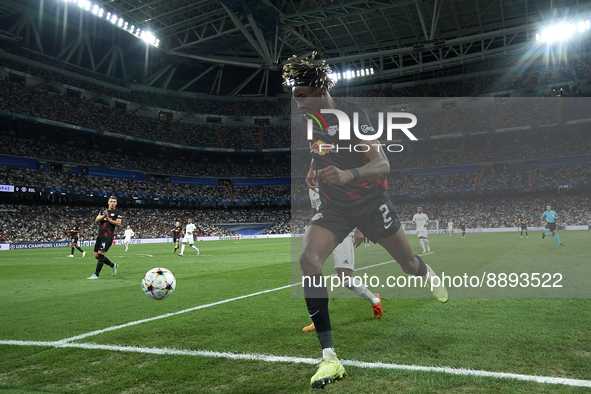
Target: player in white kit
450,227
421,221
128,234
188,239
344,264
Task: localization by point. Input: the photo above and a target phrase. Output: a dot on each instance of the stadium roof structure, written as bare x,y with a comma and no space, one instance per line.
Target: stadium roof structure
394,37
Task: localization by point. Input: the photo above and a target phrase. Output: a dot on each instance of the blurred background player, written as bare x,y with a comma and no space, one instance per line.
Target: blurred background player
463,228
128,234
450,227
74,232
421,221
344,264
190,229
108,220
523,222
177,233
550,216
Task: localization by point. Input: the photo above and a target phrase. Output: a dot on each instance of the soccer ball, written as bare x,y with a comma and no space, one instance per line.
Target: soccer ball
158,283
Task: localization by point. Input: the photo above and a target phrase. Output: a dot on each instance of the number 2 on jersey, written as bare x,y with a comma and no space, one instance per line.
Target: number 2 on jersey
385,212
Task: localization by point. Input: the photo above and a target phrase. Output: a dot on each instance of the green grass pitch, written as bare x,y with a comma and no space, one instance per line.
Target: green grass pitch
46,297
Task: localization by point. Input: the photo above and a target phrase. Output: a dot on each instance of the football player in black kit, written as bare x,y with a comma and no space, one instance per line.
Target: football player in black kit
523,224
177,233
352,188
108,220
74,232
463,228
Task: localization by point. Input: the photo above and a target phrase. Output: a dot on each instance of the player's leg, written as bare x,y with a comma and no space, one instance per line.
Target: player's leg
79,249
126,243
319,242
194,247
422,243
100,260
361,290
426,241
104,249
182,248
176,245
399,248
344,264
526,236
549,226
556,237
72,251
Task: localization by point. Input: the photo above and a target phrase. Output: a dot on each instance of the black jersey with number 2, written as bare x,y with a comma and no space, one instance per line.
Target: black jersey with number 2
107,229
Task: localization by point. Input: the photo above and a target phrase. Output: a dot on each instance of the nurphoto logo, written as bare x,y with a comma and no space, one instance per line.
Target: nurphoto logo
364,132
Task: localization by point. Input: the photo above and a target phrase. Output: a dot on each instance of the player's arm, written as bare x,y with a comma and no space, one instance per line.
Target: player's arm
312,178
116,222
100,218
358,238
377,167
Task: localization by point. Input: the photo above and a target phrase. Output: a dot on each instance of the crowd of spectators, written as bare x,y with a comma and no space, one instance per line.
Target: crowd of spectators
563,174
46,103
441,182
493,212
480,212
63,181
80,154
37,223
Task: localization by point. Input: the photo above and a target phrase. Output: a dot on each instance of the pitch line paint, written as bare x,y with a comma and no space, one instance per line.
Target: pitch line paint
134,323
302,360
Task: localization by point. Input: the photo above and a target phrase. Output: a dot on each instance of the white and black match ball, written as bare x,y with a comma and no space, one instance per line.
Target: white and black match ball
158,283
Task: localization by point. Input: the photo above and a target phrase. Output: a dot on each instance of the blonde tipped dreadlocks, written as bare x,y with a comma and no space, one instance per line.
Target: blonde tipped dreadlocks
307,73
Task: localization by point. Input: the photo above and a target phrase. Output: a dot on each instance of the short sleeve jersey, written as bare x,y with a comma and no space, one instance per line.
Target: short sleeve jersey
107,229
421,219
75,232
176,231
550,216
325,153
190,228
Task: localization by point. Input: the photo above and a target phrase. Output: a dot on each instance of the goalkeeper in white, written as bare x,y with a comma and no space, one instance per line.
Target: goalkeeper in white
421,222
128,234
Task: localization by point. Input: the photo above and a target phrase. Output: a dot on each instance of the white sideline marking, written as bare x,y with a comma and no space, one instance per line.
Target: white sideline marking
134,323
141,254
302,360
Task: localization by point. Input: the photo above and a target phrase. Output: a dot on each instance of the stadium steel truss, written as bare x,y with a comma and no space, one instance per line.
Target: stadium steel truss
394,37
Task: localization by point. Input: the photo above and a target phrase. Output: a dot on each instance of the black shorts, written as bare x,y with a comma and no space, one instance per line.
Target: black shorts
175,239
74,240
551,226
103,244
523,228
376,219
